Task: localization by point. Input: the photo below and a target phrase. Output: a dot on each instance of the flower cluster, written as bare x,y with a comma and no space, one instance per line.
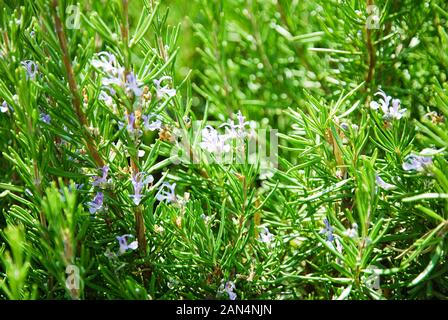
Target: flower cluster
217,143
390,107
115,76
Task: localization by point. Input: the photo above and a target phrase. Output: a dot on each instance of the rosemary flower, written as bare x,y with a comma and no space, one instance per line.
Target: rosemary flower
170,195
31,69
123,242
96,204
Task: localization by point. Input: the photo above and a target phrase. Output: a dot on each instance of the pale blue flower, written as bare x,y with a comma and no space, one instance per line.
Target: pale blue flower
106,62
165,90
130,125
96,204
100,181
265,235
328,231
418,162
390,111
31,69
213,142
4,107
352,232
108,101
229,287
153,125
133,85
114,75
170,195
383,184
45,118
139,181
123,242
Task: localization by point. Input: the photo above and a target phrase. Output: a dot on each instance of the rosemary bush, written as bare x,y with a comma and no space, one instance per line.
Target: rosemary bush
237,149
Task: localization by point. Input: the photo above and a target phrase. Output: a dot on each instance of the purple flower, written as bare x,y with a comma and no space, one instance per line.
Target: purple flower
418,162
96,204
98,181
383,184
154,125
45,118
328,231
170,195
31,69
123,242
163,91
139,181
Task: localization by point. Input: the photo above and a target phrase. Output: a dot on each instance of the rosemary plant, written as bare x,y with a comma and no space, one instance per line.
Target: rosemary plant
237,149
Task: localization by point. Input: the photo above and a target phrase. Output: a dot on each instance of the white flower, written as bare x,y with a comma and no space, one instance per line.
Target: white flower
213,142
4,107
265,235
108,101
352,232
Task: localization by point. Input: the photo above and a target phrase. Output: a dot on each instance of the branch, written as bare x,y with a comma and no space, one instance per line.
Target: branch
76,99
